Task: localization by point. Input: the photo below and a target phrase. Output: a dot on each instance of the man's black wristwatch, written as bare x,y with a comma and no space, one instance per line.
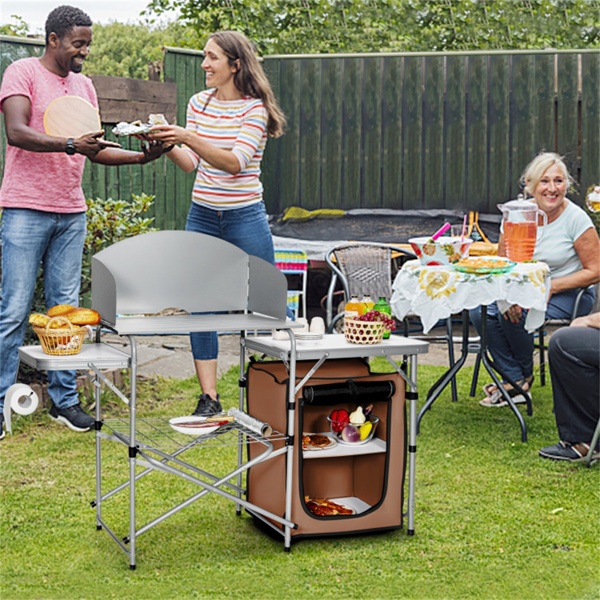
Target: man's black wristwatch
70,147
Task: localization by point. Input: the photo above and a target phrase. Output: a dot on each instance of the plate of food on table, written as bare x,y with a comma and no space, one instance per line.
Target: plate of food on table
198,425
480,265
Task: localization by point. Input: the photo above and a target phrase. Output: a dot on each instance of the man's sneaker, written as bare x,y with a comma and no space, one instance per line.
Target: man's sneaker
2,434
207,407
569,452
73,417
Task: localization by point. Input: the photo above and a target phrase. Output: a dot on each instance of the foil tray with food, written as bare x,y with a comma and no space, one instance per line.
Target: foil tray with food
138,127
323,507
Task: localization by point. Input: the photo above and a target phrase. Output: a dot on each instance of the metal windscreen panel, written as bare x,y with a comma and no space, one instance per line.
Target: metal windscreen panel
171,269
267,293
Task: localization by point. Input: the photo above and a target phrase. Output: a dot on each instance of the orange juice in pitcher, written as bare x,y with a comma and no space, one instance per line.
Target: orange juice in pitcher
519,240
520,224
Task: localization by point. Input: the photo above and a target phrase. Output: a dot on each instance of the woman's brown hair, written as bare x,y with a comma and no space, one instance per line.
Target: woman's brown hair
250,79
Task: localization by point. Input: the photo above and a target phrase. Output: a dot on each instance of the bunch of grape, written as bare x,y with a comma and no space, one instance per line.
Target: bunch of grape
375,315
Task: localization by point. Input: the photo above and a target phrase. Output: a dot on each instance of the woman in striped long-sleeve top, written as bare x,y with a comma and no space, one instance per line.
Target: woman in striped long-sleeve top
224,140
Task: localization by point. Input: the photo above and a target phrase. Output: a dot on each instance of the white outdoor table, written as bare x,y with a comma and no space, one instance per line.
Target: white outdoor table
437,292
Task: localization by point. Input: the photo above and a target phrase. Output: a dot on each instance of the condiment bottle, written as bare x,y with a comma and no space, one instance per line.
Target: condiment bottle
383,307
369,304
353,308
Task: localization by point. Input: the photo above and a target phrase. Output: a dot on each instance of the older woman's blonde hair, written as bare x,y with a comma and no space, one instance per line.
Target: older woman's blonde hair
538,166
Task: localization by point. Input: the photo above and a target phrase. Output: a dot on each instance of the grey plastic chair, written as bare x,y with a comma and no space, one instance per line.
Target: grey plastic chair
363,268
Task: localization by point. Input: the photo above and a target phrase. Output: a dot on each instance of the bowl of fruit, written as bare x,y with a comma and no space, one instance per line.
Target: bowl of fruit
367,328
353,428
443,251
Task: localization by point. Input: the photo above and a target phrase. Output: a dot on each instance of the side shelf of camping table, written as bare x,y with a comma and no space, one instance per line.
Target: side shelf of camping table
300,361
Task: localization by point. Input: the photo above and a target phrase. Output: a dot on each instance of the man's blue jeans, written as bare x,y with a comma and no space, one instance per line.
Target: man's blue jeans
248,229
30,238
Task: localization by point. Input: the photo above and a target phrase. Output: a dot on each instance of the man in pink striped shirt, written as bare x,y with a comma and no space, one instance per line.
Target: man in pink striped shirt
43,205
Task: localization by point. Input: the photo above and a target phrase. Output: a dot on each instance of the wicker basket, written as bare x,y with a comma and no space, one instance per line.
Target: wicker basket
60,342
363,332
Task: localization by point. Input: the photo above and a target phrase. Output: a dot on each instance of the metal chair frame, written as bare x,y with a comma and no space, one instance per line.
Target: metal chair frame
541,345
593,443
376,281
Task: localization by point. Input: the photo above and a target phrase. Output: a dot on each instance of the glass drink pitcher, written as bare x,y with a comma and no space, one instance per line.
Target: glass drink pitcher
520,224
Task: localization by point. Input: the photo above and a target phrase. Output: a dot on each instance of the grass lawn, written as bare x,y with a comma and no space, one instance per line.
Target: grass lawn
492,519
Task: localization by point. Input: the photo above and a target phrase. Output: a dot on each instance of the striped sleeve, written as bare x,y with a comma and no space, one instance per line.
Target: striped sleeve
190,124
250,134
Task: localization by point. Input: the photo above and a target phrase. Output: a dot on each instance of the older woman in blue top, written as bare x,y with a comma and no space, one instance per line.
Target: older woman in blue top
571,248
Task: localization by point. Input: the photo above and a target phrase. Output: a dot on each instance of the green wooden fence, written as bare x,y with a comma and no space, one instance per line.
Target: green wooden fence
434,130
402,131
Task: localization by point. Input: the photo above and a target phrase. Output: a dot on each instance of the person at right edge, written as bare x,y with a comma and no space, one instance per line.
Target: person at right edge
571,249
574,356
224,139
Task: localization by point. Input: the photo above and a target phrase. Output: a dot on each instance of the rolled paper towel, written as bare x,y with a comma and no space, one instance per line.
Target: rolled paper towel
20,399
249,422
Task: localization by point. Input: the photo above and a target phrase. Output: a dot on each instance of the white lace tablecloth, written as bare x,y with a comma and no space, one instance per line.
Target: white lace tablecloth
436,292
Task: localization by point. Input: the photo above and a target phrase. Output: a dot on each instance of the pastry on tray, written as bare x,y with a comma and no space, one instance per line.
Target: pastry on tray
317,441
322,507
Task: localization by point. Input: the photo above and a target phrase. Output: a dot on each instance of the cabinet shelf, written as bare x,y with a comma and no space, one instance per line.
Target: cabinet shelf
375,446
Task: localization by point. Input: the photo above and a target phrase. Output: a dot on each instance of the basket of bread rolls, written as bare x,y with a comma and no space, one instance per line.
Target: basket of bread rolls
62,329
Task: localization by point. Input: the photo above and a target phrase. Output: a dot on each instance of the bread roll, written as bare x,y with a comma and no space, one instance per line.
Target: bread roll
59,322
157,119
38,319
84,316
60,310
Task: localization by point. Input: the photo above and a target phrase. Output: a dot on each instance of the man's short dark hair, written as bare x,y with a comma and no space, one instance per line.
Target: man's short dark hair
63,18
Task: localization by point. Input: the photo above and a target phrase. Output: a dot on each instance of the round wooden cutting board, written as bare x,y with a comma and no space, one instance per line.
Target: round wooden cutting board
71,116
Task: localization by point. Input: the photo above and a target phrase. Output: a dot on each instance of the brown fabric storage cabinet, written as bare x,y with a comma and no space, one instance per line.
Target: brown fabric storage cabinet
369,478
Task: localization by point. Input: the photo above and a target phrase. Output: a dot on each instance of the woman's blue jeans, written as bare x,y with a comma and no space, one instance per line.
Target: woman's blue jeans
30,238
248,229
509,343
